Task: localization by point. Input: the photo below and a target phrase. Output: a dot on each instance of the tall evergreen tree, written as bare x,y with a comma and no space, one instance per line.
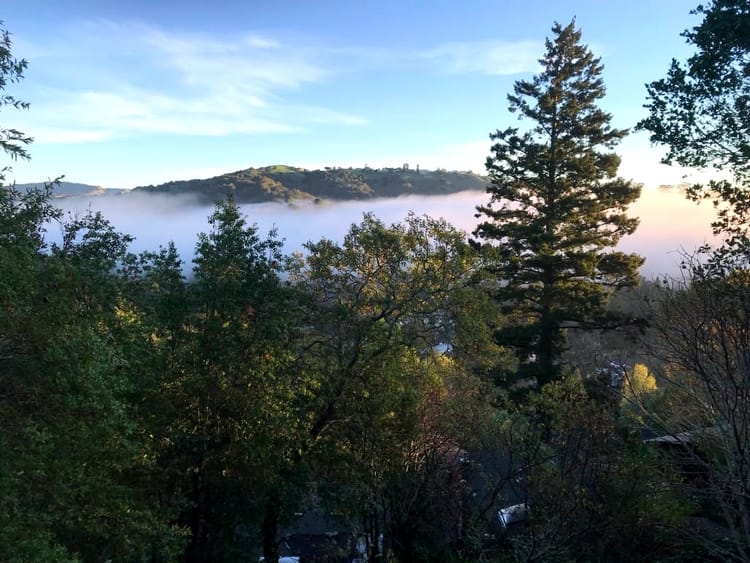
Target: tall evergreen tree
557,207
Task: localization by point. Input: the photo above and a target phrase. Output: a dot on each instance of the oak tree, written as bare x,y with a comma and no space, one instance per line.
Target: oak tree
701,112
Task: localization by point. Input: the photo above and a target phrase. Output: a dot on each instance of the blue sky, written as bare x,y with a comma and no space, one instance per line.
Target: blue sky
140,92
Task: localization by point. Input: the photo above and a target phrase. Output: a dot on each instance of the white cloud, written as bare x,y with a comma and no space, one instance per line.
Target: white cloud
123,80
246,64
98,116
262,42
487,57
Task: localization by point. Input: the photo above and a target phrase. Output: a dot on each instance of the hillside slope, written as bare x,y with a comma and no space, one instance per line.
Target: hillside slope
69,189
285,183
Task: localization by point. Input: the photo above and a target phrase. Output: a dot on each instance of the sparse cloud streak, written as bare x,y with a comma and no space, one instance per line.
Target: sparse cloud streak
486,57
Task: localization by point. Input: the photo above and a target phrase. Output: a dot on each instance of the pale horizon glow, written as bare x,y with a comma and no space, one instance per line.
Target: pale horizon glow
670,226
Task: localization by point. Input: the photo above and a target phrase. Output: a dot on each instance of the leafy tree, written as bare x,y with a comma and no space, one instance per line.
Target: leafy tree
702,338
72,479
639,382
220,389
379,305
639,394
71,473
427,497
557,207
701,112
588,489
593,492
12,141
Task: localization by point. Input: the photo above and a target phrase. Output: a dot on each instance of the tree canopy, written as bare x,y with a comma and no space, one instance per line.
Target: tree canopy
150,414
12,141
557,206
701,112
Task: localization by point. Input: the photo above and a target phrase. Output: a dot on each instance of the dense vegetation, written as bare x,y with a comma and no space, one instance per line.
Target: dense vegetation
370,386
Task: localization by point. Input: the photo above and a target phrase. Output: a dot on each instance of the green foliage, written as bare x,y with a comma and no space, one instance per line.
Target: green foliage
218,386
703,338
147,417
12,141
593,492
74,465
557,207
379,435
701,112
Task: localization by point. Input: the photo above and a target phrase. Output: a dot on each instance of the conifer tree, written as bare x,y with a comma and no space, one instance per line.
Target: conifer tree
557,208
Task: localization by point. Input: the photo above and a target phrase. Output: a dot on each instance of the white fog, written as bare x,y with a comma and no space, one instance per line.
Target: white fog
669,223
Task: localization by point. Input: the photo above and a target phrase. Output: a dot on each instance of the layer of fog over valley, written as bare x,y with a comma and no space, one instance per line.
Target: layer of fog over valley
670,224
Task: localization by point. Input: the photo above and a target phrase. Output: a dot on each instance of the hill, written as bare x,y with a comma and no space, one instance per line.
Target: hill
285,183
69,189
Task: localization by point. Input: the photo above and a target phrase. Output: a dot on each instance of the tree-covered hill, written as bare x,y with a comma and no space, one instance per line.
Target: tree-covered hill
284,183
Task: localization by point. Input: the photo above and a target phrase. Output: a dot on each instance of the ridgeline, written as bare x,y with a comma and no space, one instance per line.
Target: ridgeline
287,183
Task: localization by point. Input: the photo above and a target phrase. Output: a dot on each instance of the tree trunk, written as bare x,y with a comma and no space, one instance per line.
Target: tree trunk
196,549
271,531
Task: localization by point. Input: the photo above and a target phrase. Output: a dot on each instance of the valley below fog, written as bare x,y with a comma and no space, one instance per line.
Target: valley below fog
670,224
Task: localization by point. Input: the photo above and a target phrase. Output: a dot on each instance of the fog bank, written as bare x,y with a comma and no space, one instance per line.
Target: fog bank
669,223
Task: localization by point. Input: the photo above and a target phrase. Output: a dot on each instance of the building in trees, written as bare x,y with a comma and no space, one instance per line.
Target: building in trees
701,112
557,207
702,337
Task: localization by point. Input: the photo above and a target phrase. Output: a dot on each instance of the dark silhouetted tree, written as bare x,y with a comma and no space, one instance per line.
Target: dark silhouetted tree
701,113
12,141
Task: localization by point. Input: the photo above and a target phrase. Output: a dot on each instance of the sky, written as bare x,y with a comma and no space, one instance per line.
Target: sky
138,92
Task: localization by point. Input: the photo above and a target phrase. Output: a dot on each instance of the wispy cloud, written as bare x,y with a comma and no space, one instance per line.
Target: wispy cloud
486,57
100,80
98,116
123,80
